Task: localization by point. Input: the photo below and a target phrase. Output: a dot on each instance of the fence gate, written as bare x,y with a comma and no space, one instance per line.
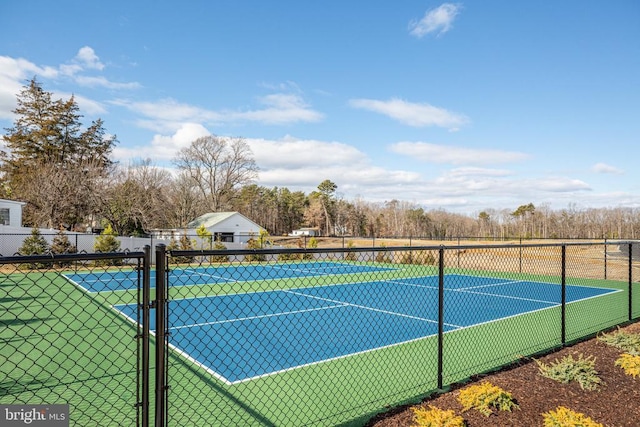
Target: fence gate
71,344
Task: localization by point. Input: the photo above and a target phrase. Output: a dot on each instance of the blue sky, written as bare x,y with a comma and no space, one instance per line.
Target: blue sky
458,106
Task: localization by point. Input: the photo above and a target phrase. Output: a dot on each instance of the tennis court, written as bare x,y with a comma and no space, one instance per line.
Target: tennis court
241,337
127,280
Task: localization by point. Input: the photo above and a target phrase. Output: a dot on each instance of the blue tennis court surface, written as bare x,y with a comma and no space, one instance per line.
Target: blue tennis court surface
245,336
123,280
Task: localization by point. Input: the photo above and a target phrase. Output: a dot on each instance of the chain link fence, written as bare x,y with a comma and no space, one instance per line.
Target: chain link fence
292,337
61,340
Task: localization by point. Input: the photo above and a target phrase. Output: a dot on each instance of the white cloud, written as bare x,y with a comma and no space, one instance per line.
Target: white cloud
87,58
166,113
438,20
412,114
293,153
103,82
163,147
13,73
605,168
561,184
455,155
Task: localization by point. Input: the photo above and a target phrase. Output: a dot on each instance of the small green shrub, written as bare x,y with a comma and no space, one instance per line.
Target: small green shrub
484,397
219,246
183,244
350,256
625,341
630,363
107,242
564,417
582,370
383,256
436,417
255,245
35,244
62,245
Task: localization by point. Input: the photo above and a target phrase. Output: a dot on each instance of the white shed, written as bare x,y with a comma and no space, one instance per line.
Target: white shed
227,226
11,213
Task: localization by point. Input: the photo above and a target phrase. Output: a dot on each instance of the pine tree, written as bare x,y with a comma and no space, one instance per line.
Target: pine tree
35,244
107,242
62,245
49,161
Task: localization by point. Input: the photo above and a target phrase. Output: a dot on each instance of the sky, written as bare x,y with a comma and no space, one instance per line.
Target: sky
463,106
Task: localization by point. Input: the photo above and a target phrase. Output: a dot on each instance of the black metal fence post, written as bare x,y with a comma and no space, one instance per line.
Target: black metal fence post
605,259
563,297
161,336
146,308
440,315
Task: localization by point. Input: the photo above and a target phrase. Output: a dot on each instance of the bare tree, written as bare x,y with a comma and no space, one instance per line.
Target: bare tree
217,167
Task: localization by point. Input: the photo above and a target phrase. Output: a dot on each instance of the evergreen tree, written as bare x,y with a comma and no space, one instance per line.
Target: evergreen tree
107,242
35,244
62,245
49,161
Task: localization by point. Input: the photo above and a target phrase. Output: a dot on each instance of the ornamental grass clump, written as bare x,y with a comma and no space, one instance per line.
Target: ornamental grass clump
484,397
625,341
436,417
582,370
564,417
630,363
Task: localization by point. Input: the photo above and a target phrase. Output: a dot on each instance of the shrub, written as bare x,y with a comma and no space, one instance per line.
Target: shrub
350,256
582,370
183,244
625,341
630,363
564,417
383,256
436,417
485,396
62,245
256,245
289,257
219,246
107,242
34,244
313,244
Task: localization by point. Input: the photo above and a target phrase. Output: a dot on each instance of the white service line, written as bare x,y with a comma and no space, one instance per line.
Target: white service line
372,309
262,316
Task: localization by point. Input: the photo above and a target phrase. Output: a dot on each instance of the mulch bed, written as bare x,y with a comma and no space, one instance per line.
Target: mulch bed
616,403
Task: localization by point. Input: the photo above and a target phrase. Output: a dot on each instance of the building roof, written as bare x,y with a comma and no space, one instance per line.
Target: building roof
12,201
213,218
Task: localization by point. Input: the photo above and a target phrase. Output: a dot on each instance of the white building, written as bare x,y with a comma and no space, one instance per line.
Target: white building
305,231
229,227
11,213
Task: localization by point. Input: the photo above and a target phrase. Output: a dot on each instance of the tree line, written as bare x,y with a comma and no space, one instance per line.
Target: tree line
64,171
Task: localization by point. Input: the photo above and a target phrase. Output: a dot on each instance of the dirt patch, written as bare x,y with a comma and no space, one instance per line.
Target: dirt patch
616,403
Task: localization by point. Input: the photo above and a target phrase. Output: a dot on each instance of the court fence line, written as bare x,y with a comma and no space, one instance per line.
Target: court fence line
331,336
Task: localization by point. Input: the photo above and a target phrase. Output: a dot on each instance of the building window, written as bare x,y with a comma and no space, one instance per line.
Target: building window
223,237
4,216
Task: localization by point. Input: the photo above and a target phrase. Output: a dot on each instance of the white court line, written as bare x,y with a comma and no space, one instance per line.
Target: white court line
464,290
215,276
262,316
372,309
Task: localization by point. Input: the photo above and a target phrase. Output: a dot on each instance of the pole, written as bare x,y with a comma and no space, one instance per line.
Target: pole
440,315
161,341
